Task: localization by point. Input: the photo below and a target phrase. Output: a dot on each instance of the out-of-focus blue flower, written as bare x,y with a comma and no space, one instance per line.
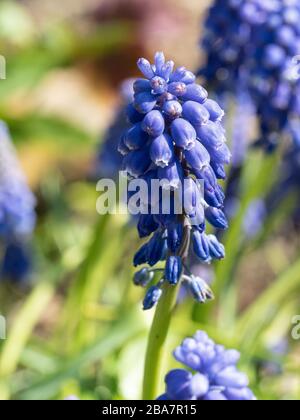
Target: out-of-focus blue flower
243,122
72,398
109,160
274,364
256,212
254,45
17,215
213,377
176,138
16,264
288,185
255,217
290,173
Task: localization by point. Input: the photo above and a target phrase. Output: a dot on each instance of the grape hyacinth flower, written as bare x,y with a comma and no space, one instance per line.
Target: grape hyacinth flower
255,218
216,376
17,213
255,45
109,160
177,139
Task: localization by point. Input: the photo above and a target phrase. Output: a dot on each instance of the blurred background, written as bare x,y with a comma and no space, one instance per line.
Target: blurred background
74,319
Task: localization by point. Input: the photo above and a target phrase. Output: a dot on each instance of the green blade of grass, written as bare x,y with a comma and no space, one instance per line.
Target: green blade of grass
118,334
262,311
26,320
255,183
24,324
76,298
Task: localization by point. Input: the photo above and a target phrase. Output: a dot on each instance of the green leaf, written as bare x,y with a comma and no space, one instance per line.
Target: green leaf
25,70
113,339
76,298
39,361
279,215
35,126
258,316
26,320
256,182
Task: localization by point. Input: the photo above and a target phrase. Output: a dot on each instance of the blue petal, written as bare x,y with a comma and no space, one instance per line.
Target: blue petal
141,85
215,111
154,124
178,384
173,269
144,102
216,218
143,277
171,176
162,151
195,93
175,235
183,133
172,109
201,245
197,157
135,138
146,68
195,113
152,297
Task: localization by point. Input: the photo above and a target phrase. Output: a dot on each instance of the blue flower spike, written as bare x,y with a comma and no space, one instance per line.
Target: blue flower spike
176,138
17,212
253,46
212,375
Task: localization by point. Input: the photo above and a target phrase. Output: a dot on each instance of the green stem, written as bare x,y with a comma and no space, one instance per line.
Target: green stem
157,338
161,324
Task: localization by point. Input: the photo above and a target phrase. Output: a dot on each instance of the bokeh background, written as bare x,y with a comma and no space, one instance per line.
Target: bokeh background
74,322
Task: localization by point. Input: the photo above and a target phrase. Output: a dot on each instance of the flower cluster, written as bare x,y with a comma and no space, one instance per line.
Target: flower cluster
109,160
176,139
216,378
17,215
254,45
